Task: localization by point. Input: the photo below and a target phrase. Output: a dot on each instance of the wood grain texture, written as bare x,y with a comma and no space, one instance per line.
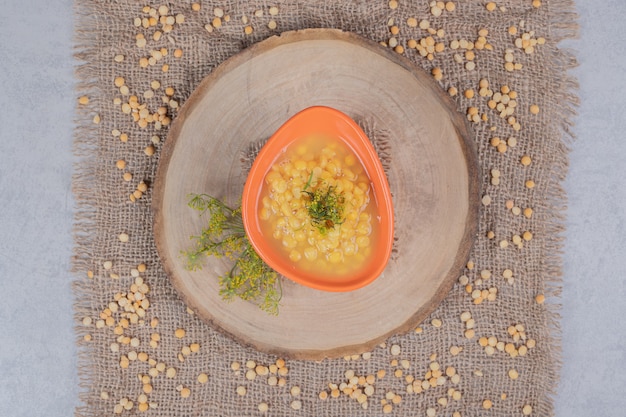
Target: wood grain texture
433,178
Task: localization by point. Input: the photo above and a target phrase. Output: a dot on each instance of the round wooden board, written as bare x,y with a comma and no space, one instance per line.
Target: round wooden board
433,177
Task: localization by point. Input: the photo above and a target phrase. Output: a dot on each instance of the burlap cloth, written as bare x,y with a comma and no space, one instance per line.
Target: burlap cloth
125,352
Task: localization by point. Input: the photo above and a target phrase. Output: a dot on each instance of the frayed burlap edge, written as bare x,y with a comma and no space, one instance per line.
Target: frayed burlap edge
563,25
86,146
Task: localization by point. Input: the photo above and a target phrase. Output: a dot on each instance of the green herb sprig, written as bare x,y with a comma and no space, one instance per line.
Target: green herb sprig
325,206
250,278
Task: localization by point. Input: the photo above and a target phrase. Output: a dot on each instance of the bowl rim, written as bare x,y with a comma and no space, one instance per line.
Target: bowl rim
312,120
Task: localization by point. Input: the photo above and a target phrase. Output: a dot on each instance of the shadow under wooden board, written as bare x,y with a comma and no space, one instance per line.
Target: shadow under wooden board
433,177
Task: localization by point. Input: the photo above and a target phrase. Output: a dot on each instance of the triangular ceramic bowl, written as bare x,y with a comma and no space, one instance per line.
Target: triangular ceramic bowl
329,122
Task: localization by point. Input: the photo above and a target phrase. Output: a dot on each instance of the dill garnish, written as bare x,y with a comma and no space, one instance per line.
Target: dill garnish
250,278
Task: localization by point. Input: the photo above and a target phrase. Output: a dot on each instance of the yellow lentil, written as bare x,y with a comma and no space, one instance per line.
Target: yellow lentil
296,404
142,187
528,212
436,11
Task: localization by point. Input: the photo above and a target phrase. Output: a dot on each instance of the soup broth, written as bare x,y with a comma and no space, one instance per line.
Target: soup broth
327,168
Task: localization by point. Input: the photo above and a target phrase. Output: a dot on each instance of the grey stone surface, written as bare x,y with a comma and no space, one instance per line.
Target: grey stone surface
593,376
38,368
38,373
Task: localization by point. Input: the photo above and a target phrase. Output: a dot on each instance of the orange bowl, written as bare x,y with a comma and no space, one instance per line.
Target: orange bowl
330,123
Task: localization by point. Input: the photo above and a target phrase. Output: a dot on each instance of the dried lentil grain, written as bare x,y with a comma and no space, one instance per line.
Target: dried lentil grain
296,404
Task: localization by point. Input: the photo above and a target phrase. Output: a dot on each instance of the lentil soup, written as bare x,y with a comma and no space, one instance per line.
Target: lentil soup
319,175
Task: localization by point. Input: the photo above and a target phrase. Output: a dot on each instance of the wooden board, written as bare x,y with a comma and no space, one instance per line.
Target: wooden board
433,177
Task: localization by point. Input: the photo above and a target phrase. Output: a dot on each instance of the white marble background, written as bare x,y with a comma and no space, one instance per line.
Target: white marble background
38,373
